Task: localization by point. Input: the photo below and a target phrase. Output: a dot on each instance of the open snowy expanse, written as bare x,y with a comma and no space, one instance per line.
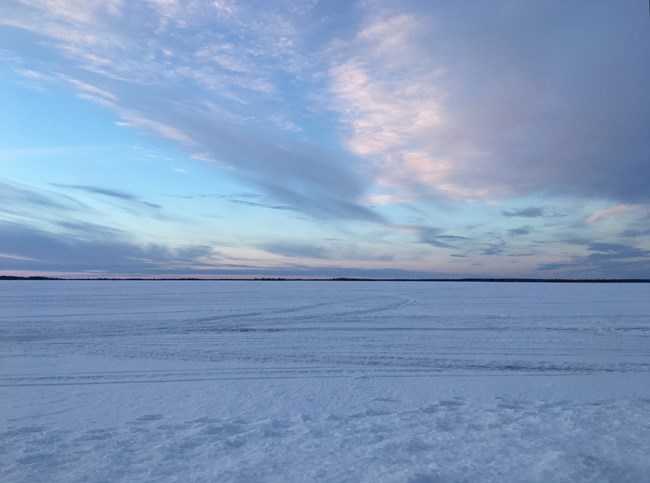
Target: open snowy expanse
324,381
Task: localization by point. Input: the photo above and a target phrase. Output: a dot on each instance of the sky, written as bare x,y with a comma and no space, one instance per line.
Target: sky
369,138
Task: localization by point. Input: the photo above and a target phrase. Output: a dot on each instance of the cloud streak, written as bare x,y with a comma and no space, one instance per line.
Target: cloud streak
111,193
530,212
16,198
436,238
615,260
615,211
94,249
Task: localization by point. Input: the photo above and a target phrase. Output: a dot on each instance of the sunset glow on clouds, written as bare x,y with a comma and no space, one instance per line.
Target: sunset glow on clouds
370,138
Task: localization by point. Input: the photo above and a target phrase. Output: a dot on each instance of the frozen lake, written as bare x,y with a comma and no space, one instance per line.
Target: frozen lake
324,381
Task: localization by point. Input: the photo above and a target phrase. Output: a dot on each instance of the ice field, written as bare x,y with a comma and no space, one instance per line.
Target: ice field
253,381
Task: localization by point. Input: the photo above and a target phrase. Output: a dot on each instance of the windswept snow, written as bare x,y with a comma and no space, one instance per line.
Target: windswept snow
324,381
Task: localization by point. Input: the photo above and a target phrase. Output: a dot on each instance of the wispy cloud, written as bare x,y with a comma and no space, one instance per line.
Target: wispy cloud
391,94
614,260
437,238
328,250
495,248
636,232
296,250
18,199
111,193
94,248
246,199
520,231
615,211
530,212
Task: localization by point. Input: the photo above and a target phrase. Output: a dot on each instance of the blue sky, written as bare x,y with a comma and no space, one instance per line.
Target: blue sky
325,138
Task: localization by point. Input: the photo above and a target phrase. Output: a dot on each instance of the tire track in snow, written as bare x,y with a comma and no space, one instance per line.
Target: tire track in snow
269,317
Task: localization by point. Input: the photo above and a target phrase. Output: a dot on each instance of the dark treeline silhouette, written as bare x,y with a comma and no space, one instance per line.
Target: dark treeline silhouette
12,277
346,279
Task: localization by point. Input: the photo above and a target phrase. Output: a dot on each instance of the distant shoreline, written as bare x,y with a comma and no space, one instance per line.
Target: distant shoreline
333,279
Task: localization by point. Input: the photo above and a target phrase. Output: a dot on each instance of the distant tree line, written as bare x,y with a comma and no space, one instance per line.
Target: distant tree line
351,279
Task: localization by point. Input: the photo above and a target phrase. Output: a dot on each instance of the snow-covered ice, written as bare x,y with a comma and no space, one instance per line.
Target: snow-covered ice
324,381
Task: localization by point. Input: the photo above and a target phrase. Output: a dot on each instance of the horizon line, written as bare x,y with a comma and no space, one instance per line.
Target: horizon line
334,279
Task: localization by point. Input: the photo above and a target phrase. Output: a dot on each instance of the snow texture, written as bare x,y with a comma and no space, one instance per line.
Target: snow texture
324,381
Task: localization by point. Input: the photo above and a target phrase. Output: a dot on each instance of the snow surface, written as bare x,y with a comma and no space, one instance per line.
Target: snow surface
324,381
